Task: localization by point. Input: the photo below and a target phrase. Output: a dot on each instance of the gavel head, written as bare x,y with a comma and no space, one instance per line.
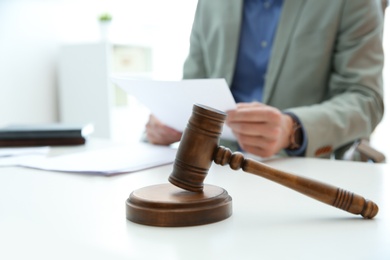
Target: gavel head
197,147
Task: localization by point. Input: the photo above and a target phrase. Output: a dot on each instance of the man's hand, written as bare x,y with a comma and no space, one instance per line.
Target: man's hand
158,133
260,129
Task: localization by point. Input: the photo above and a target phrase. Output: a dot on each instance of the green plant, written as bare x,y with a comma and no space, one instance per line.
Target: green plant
105,17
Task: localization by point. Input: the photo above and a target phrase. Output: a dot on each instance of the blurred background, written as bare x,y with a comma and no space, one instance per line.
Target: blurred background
51,50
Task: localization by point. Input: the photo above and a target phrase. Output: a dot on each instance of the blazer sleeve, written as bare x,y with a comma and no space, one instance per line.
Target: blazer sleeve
194,64
354,103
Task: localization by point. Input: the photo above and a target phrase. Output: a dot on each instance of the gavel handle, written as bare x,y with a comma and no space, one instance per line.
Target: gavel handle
325,193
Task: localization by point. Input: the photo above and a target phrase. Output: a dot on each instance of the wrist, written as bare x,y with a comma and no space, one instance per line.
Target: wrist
288,127
295,136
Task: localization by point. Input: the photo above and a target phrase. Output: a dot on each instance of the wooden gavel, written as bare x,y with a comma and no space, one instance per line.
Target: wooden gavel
199,147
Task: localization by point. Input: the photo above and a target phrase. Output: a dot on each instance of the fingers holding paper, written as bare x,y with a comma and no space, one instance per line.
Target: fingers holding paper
159,133
260,129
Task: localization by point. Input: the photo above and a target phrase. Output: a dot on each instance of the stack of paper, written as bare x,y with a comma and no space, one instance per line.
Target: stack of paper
15,155
107,161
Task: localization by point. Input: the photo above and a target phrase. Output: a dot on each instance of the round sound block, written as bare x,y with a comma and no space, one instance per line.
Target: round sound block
166,205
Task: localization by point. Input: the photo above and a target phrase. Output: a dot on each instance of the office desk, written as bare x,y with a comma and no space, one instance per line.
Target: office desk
53,215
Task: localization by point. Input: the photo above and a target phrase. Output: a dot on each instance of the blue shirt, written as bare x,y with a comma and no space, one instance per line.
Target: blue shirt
259,23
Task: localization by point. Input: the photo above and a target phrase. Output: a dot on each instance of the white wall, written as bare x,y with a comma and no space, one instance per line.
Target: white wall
31,32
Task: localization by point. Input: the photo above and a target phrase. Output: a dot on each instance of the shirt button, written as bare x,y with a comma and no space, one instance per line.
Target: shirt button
266,5
264,44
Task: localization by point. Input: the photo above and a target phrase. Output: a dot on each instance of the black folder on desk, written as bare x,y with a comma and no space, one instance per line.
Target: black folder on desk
52,134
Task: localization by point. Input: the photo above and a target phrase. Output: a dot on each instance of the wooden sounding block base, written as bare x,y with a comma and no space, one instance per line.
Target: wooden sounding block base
166,205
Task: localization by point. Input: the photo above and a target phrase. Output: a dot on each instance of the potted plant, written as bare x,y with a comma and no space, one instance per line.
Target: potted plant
104,22
105,18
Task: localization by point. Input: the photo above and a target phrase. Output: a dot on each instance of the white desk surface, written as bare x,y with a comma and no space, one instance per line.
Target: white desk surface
52,215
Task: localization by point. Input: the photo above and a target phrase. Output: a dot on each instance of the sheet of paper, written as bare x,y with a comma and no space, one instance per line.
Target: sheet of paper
107,161
20,159
172,101
14,156
18,151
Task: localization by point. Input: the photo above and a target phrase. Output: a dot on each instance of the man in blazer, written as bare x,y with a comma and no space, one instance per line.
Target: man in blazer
323,83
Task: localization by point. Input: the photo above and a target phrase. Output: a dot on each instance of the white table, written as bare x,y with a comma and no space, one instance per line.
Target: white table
52,215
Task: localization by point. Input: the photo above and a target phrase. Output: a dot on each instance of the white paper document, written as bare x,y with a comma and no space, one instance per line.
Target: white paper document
172,101
19,151
107,161
20,159
14,156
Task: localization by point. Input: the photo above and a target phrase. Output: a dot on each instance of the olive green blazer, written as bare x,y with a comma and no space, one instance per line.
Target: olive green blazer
325,66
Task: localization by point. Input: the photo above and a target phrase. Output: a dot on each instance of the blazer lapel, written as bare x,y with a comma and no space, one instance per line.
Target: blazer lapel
288,19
